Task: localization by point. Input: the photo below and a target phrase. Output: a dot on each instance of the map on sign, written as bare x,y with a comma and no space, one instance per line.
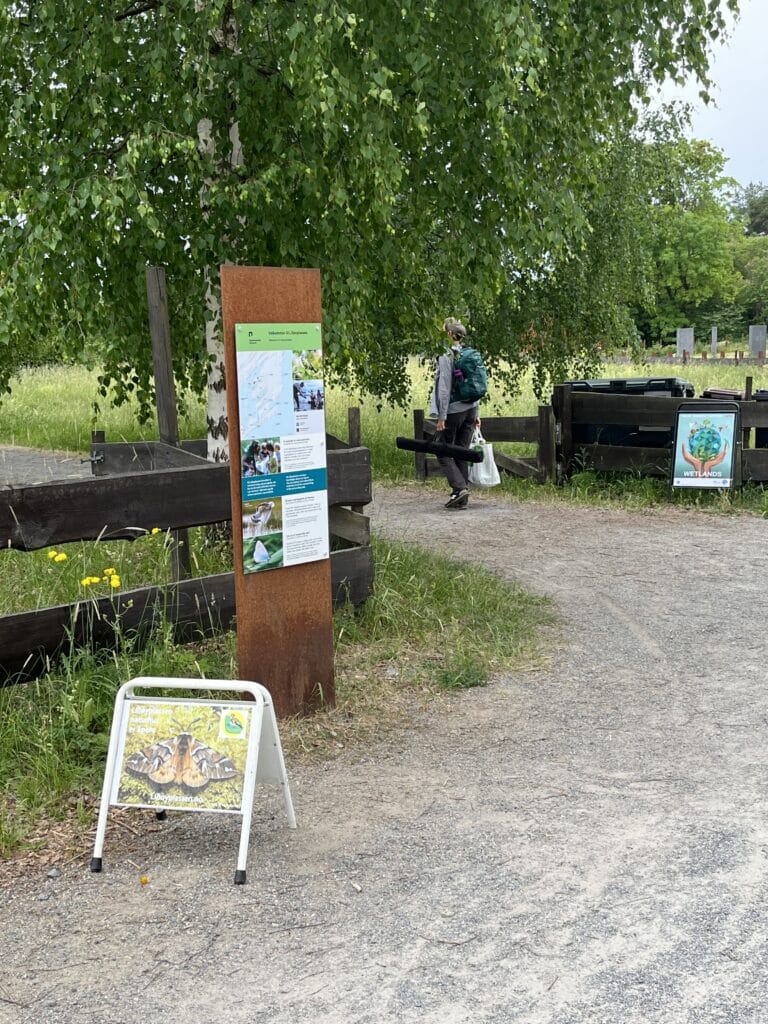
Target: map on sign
265,389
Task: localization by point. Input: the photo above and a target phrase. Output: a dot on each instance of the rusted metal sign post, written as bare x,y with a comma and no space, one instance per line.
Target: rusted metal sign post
275,408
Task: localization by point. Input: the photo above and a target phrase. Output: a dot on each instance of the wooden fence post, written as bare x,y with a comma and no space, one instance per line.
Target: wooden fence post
747,398
355,440
418,433
547,455
165,394
355,437
562,402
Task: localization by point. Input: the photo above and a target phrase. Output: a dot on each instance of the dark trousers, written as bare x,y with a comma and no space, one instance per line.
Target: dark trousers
459,427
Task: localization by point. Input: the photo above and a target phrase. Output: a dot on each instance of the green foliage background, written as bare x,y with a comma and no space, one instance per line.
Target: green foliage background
429,157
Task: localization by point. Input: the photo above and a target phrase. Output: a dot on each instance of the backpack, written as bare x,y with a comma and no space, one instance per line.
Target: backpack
470,378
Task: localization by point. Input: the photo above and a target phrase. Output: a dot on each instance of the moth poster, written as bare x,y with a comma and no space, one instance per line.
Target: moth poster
188,757
705,443
284,487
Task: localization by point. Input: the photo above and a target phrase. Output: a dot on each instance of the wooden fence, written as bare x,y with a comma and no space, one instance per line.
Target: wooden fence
538,430
578,429
128,505
579,414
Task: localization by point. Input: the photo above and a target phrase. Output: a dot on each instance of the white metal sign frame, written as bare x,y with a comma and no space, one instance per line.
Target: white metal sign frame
263,763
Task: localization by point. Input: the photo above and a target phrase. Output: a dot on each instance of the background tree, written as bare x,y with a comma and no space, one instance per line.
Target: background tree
752,207
424,155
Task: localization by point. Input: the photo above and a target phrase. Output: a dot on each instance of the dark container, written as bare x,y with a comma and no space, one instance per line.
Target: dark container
728,394
631,436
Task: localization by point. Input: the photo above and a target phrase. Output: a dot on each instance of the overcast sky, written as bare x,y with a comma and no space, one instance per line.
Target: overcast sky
739,70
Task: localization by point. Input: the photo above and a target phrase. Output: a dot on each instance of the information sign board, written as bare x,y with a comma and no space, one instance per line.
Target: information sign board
707,441
281,403
188,757
192,754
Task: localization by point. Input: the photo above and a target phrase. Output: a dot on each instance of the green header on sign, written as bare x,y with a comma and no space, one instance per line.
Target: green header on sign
276,337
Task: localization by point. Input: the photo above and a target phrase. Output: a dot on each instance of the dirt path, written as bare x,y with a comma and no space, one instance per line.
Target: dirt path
579,845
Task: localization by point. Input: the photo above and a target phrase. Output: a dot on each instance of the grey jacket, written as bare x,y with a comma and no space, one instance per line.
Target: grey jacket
441,391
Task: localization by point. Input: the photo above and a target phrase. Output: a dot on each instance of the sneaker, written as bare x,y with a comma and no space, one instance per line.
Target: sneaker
458,499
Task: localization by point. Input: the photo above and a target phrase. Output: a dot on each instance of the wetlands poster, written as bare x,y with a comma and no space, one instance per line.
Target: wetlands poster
704,448
281,401
188,756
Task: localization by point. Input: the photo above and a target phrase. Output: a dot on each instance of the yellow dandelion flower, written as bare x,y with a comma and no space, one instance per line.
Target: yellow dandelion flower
60,557
114,582
109,572
154,530
143,880
52,553
86,582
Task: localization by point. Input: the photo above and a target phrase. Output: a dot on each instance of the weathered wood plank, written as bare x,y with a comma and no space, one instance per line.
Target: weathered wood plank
349,477
511,428
349,525
205,605
755,465
631,410
420,458
609,458
527,468
547,452
754,414
127,506
562,402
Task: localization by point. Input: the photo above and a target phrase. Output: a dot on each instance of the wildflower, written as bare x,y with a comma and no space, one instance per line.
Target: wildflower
109,572
143,880
60,557
52,553
114,581
154,530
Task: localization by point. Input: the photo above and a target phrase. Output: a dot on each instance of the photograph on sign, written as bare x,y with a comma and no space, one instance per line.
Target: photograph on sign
263,534
188,756
705,442
284,487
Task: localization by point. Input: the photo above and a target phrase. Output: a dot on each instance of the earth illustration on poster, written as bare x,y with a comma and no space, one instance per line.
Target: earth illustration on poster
704,449
187,756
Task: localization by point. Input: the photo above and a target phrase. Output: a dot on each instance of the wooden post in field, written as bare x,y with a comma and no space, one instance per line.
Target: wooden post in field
165,395
562,403
420,458
547,454
284,614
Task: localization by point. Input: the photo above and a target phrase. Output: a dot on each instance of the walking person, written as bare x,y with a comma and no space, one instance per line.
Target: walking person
456,419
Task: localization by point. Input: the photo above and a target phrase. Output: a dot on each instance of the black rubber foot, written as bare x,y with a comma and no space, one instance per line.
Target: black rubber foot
239,877
95,865
161,815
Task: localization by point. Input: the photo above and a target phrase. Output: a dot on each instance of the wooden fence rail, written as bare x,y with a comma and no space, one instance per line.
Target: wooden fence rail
130,504
538,430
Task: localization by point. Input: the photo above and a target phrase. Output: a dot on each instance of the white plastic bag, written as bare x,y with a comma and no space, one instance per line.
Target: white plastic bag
485,473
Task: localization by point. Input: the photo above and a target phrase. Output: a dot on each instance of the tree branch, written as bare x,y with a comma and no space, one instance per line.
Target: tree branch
139,8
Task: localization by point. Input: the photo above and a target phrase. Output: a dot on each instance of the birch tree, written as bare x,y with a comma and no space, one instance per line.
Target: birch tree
421,154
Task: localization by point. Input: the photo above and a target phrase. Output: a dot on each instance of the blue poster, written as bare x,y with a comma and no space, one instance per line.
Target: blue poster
705,443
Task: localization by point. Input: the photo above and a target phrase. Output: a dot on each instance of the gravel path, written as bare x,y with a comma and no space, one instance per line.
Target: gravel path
582,844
